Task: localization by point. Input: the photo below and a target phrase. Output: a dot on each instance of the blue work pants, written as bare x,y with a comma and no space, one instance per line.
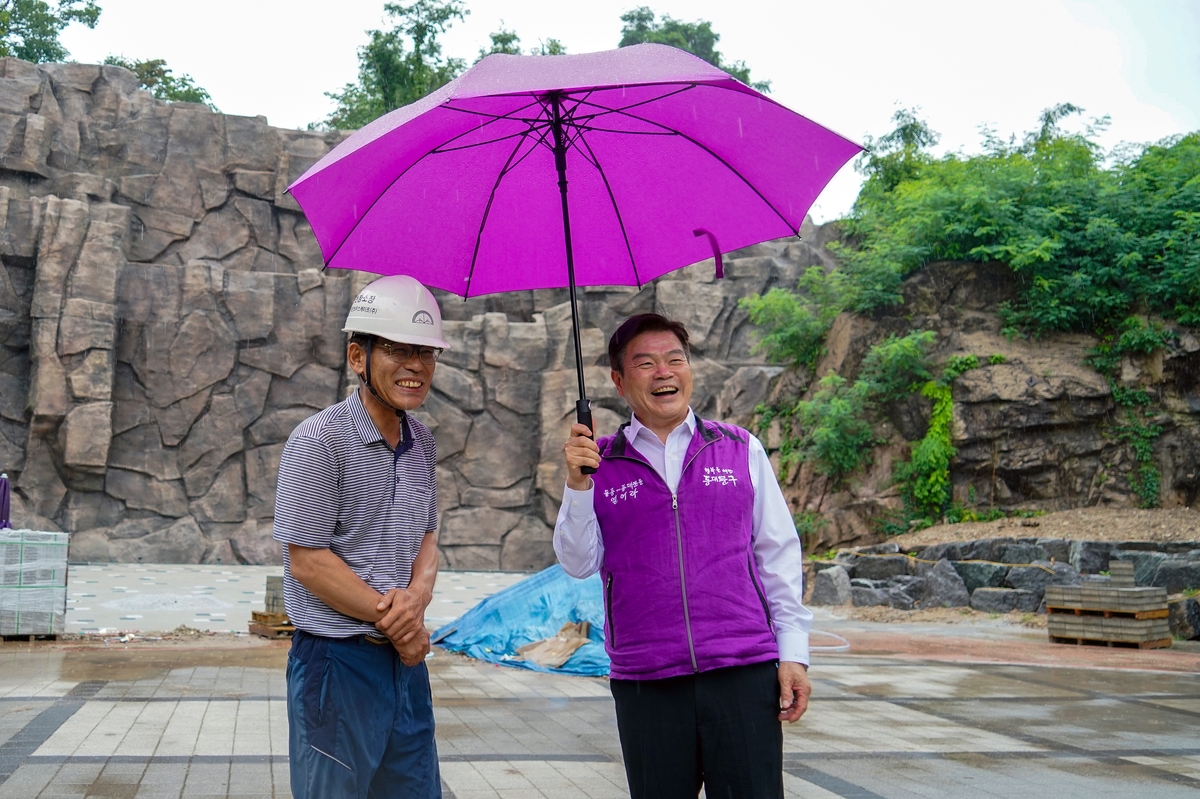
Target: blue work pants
360,722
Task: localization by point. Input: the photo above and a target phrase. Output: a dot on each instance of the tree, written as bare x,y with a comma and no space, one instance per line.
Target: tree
155,76
503,41
509,43
398,66
549,47
697,38
29,29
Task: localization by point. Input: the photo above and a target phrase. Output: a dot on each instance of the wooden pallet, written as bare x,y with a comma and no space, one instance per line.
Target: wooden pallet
1157,613
269,619
272,630
27,637
1162,643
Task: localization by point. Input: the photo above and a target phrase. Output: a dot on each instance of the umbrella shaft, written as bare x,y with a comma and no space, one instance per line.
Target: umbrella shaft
560,163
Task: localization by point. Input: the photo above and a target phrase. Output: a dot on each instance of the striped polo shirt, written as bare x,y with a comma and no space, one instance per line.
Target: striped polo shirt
342,487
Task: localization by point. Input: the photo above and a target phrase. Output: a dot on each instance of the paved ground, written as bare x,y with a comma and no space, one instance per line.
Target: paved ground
209,719
112,598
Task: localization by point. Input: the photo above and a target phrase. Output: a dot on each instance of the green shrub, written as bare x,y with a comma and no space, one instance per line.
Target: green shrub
925,478
1092,235
996,359
896,367
834,432
957,365
795,323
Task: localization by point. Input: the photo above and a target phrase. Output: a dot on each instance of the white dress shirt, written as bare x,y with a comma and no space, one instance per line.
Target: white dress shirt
776,545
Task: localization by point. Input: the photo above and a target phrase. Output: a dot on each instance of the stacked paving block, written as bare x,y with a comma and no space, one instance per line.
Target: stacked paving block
1108,615
33,583
272,622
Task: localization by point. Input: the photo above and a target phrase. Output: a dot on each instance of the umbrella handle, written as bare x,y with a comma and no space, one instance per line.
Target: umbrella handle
583,415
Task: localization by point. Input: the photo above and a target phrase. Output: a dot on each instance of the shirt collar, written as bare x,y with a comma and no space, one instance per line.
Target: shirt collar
367,430
636,427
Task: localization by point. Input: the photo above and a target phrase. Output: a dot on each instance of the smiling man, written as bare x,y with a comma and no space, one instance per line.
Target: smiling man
356,511
702,575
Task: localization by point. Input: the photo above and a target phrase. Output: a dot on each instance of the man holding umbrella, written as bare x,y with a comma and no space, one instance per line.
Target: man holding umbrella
356,510
702,575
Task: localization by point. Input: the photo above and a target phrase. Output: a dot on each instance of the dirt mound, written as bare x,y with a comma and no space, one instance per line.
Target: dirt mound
1085,524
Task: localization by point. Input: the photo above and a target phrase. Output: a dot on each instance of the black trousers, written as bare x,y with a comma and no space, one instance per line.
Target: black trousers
719,729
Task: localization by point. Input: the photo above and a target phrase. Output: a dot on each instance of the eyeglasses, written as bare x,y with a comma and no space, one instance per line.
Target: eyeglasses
403,353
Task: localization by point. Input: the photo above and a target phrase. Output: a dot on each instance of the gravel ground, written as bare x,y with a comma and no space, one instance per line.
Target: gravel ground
1087,524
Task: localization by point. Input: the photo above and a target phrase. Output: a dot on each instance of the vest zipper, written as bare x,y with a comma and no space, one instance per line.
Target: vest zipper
758,590
612,628
687,620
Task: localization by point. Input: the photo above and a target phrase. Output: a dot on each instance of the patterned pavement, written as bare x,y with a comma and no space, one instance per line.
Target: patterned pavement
1008,716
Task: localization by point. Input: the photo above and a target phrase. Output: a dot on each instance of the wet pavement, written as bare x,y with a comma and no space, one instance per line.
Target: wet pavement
111,598
208,718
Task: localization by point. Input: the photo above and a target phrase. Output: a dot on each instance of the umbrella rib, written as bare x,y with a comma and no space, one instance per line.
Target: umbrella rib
724,162
394,181
486,212
595,160
444,149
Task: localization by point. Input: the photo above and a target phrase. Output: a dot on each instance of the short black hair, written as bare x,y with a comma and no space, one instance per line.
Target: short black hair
633,327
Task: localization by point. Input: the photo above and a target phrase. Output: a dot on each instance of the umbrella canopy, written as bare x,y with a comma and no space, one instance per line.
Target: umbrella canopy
5,500
461,189
669,160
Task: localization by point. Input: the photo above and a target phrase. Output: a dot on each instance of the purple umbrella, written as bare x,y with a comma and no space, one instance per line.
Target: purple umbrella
5,499
669,159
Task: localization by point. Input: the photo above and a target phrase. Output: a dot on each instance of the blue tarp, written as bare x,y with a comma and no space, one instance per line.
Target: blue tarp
533,609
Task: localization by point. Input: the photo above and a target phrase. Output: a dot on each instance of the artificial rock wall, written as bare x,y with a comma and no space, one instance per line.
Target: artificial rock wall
165,323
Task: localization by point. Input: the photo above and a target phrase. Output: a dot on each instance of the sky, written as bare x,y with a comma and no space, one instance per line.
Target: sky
848,65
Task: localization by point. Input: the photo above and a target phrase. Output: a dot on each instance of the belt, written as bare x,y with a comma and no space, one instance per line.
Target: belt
370,638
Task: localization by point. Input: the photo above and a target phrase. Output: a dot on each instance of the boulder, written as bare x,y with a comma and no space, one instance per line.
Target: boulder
1185,618
1145,563
1036,576
881,567
831,587
1058,549
1022,553
1090,557
977,575
863,597
909,585
951,551
1003,600
943,587
1178,574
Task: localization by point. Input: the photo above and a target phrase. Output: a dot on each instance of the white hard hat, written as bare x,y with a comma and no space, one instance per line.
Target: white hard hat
398,308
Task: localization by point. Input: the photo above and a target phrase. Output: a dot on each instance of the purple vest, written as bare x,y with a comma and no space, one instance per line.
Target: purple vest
681,589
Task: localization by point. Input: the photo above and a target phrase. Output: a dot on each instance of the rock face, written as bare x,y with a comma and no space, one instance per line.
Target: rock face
1032,425
165,323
